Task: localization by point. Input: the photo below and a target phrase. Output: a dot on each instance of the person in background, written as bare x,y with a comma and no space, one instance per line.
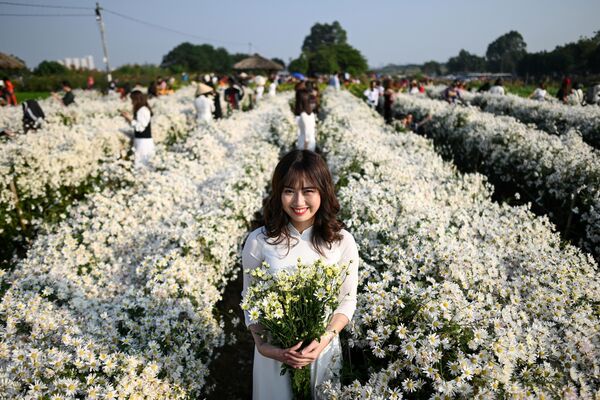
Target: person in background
9,89
204,103
217,110
233,95
33,115
305,119
314,97
413,87
388,100
334,81
3,101
497,88
381,90
153,89
68,98
273,87
539,93
90,82
143,145
485,86
452,93
372,95
565,90
260,86
575,98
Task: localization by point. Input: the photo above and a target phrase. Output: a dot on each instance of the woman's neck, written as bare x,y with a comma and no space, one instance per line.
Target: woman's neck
302,226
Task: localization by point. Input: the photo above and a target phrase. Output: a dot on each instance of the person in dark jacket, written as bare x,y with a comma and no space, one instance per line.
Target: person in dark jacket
33,115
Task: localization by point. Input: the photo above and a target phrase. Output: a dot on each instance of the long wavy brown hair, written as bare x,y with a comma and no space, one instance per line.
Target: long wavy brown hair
294,167
139,100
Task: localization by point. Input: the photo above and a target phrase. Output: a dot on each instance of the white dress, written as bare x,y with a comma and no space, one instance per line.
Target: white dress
307,126
267,383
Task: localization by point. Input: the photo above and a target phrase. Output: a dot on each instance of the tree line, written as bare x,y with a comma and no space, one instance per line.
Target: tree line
508,54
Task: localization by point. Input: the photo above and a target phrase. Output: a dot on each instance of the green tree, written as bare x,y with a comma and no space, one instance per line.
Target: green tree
466,62
278,61
200,58
350,59
299,64
46,68
324,60
504,53
323,35
432,68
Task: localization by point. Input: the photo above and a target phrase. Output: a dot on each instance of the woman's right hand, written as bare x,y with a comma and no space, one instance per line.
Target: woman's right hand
288,356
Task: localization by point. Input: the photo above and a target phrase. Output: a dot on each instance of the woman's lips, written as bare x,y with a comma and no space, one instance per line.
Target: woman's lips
300,211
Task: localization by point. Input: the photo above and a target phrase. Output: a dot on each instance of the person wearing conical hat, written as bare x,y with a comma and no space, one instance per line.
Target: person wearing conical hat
203,103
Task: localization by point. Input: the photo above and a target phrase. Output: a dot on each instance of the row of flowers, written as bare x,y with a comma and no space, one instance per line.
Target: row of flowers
118,300
44,171
459,296
560,174
550,116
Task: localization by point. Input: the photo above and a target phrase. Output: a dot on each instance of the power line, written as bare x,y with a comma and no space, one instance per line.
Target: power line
171,29
46,15
10,3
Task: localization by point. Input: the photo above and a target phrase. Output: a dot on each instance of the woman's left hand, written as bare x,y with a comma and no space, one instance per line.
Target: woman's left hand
310,353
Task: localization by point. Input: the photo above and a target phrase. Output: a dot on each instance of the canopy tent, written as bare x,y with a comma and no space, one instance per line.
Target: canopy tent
257,62
10,62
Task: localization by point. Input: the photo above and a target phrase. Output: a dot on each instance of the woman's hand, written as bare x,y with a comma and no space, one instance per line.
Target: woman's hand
126,115
310,353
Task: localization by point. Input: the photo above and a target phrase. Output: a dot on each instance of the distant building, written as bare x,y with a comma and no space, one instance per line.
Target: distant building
83,63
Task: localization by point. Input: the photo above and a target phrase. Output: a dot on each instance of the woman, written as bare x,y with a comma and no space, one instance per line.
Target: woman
388,100
300,221
205,106
539,93
305,118
143,145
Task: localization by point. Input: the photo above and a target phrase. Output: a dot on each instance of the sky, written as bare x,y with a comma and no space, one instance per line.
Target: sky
392,31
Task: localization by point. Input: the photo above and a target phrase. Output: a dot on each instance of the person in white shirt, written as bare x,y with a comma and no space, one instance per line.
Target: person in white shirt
372,95
539,93
143,145
413,87
300,221
497,88
204,103
273,87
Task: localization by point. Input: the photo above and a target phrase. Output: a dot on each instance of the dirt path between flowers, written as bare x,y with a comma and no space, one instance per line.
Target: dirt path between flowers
231,372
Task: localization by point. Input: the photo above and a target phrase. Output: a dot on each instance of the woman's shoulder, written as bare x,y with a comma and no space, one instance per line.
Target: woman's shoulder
257,235
347,239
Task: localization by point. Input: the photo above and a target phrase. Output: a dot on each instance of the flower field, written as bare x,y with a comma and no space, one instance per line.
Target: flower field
560,174
461,297
117,300
550,116
113,293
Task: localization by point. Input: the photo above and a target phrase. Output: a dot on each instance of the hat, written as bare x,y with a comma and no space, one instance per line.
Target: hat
203,89
243,75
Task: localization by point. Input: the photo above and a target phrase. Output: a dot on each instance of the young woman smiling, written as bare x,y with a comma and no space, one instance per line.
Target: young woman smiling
300,221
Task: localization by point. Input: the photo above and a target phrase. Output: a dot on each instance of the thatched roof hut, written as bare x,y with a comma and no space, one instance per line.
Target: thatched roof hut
257,62
10,62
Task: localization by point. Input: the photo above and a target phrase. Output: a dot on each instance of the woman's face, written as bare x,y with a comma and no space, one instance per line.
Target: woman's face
301,203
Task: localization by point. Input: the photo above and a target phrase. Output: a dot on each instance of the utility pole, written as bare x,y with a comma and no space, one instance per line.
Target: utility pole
104,47
250,48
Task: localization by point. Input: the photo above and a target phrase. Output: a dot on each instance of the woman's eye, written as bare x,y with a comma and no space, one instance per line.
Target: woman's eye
309,191
288,191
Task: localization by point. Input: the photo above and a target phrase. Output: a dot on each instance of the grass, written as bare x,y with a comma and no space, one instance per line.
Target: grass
22,96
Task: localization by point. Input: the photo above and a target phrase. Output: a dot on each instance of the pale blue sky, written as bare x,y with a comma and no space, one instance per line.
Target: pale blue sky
384,31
